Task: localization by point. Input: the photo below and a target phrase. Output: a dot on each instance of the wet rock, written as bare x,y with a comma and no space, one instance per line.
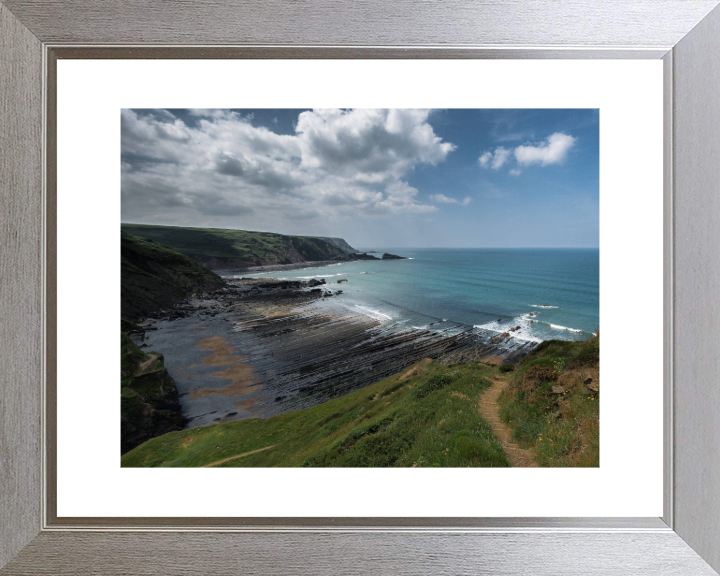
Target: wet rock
362,256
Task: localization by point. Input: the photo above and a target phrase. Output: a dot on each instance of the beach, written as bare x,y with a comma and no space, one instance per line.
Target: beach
260,347
280,338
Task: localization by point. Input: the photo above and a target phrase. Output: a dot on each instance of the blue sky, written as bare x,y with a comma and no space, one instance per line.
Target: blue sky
378,178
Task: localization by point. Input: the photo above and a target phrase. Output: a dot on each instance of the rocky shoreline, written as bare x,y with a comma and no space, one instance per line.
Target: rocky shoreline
278,345
301,265
278,267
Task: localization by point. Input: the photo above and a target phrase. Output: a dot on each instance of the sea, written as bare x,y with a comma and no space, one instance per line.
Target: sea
550,293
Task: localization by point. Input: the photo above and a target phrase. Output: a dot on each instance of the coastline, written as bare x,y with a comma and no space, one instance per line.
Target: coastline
281,267
260,347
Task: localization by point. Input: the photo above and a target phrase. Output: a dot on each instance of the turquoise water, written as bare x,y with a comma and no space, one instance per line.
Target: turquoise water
494,289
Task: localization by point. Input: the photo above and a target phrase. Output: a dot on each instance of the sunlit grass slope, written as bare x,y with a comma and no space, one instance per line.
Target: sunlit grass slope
425,416
553,404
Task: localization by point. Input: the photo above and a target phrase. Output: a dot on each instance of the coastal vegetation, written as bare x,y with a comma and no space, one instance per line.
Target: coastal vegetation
154,277
219,248
345,395
553,403
425,416
149,404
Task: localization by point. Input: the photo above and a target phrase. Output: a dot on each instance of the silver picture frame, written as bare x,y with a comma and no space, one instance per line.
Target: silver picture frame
685,34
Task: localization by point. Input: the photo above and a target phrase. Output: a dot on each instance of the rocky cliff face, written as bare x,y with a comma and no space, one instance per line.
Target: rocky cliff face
218,249
339,243
149,398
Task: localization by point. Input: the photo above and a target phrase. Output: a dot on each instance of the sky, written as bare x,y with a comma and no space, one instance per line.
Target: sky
377,178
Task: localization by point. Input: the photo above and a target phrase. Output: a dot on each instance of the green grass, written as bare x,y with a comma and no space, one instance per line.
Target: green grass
562,429
222,243
430,420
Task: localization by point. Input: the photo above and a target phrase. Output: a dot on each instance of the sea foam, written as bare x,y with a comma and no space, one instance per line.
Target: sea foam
525,332
558,327
373,313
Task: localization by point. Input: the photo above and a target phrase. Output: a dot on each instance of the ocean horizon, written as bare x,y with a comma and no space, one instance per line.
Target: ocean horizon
550,293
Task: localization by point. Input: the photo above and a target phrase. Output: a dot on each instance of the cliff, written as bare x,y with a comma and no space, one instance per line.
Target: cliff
217,248
149,404
154,277
338,243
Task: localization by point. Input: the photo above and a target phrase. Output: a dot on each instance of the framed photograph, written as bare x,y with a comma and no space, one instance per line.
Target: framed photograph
362,266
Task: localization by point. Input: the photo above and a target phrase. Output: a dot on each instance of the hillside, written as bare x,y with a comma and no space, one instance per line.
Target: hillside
149,404
217,248
338,243
426,416
154,277
553,403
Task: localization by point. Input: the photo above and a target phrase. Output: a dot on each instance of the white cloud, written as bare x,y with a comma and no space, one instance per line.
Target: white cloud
211,113
339,163
553,151
515,172
447,200
501,156
401,197
494,160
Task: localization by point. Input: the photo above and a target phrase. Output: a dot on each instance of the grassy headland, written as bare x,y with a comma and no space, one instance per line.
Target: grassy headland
217,248
426,416
553,403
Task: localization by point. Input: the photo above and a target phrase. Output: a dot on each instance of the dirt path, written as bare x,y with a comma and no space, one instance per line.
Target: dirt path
148,365
238,456
489,409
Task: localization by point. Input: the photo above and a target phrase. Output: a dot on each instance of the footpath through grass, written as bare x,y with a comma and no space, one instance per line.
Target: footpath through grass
553,403
426,416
